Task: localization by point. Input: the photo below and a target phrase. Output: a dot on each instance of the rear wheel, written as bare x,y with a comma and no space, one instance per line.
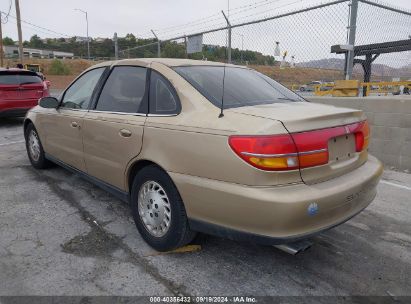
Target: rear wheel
34,148
158,210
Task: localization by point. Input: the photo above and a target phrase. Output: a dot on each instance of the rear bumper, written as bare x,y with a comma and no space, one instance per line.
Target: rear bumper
13,108
275,215
16,112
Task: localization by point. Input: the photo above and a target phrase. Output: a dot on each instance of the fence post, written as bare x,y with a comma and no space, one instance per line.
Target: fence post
229,38
352,28
185,46
158,45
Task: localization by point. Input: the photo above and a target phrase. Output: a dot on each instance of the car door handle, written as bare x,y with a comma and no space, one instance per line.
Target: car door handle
74,124
125,133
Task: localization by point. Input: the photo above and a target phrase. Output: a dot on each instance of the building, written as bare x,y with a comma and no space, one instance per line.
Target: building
100,39
82,39
13,52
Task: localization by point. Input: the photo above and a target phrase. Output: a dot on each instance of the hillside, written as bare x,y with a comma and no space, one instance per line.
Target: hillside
378,70
288,77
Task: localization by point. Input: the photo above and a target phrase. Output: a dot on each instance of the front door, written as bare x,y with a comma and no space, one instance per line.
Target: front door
113,129
63,128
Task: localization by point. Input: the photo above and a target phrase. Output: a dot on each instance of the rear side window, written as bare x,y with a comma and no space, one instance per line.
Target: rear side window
124,91
18,78
242,87
163,98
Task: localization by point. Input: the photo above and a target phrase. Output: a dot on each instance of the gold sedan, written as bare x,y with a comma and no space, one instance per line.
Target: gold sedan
198,146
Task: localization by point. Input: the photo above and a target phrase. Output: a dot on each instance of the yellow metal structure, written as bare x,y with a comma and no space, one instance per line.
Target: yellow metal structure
346,88
378,87
33,67
385,87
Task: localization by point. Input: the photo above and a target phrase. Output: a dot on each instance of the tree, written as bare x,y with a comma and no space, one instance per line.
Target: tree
36,42
8,41
173,50
131,38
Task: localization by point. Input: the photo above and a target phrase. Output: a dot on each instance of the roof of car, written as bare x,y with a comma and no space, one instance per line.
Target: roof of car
14,70
171,62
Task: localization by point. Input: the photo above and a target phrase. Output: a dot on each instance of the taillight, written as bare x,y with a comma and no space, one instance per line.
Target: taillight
273,153
362,136
297,150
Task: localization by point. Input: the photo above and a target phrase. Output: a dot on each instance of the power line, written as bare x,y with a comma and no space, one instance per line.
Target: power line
251,6
237,10
41,27
7,15
36,30
273,9
210,18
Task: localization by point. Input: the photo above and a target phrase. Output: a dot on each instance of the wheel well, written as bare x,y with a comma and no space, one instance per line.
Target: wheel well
137,166
26,123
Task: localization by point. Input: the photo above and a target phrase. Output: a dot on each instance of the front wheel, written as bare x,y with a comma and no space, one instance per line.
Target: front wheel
34,148
158,210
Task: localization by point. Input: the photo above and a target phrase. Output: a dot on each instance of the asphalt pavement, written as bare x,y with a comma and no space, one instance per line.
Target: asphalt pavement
60,235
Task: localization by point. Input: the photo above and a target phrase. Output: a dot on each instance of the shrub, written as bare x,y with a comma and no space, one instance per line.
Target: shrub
58,67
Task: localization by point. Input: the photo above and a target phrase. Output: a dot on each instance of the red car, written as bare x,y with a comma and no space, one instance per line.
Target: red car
20,90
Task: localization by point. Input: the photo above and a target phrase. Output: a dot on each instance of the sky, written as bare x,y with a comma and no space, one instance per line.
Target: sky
137,16
307,36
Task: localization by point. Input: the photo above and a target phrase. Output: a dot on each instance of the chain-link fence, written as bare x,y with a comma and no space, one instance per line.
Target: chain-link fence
294,47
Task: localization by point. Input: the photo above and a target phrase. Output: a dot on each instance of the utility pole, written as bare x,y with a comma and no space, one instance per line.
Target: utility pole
115,46
352,27
158,45
1,42
88,38
21,54
229,38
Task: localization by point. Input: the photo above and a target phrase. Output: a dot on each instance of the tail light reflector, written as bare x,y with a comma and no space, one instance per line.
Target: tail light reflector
296,150
272,152
362,136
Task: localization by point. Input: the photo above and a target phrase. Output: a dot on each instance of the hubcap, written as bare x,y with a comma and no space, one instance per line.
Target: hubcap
34,145
154,208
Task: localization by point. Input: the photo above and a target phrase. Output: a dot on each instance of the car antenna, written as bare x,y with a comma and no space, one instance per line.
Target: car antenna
222,97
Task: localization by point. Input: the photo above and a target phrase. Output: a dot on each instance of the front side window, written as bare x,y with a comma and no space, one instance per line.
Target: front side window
124,91
163,99
242,87
78,96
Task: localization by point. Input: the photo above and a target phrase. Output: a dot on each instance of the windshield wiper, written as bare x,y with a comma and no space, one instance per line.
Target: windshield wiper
27,83
285,98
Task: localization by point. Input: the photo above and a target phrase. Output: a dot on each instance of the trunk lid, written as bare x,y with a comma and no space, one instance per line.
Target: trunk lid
20,86
21,92
331,127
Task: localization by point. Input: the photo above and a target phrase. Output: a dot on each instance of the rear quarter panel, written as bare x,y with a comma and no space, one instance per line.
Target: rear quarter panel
195,142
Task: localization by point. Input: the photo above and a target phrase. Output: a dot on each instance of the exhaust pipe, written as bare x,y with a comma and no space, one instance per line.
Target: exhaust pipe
295,247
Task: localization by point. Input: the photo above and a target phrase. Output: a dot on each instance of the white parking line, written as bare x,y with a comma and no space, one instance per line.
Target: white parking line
12,143
395,185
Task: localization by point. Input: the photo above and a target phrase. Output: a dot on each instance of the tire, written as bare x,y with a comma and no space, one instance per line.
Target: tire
35,151
154,202
302,89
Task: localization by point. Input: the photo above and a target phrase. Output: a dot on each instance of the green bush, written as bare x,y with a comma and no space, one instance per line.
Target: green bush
58,67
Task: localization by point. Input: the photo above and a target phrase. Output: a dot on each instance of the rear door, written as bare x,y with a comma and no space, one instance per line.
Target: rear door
113,129
63,127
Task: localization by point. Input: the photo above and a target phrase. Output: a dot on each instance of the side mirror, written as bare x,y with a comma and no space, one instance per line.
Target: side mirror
49,102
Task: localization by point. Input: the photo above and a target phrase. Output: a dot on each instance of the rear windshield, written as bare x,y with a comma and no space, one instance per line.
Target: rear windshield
242,87
16,78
